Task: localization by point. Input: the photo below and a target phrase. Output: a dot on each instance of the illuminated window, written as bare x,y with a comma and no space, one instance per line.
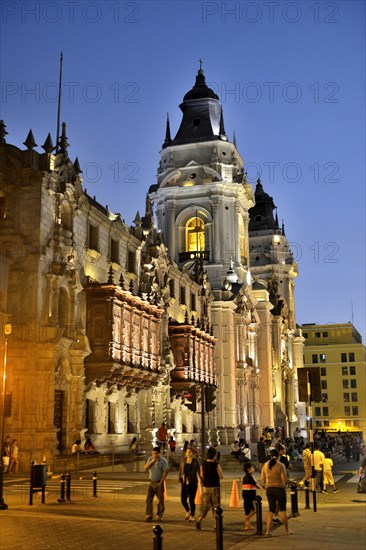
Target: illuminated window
344,371
195,235
322,358
324,397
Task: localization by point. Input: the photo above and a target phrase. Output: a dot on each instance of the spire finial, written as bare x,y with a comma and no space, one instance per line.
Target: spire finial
234,139
168,137
48,145
201,63
30,141
222,127
63,143
276,220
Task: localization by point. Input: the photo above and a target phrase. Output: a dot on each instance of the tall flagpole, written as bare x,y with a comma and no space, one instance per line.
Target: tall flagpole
59,104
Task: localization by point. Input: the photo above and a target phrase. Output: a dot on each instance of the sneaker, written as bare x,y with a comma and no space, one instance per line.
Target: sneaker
148,518
336,491
325,492
192,518
187,516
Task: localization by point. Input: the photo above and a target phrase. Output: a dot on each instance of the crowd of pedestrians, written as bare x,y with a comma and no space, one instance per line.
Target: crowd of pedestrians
276,454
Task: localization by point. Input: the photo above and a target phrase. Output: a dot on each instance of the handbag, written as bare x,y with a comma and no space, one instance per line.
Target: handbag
361,486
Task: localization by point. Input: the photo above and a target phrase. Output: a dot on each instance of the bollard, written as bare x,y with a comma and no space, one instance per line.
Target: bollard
68,486
62,489
294,502
219,528
158,537
95,477
307,495
259,515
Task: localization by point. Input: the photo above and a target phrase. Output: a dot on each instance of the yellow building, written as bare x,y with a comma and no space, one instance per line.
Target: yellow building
338,351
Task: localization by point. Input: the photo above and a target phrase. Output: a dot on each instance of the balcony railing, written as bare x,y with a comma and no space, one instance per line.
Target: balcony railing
193,255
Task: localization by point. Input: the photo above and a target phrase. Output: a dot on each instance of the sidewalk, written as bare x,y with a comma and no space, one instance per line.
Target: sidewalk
116,520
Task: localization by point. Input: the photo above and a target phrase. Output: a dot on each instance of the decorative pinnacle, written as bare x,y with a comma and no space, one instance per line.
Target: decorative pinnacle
48,144
30,141
63,143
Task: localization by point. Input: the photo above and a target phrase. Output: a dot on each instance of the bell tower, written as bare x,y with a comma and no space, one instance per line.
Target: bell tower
202,197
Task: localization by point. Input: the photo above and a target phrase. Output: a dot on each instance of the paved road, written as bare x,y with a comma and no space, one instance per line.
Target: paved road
115,519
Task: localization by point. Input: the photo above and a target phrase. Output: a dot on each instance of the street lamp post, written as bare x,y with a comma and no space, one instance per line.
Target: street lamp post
7,331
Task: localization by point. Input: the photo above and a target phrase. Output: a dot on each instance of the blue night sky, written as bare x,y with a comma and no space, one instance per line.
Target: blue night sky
291,77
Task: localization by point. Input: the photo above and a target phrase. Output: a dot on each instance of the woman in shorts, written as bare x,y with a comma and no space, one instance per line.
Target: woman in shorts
274,479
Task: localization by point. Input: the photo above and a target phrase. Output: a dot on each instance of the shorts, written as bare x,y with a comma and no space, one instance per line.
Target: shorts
274,495
249,502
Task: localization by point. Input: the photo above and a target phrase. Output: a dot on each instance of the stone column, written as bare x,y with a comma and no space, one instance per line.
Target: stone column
216,245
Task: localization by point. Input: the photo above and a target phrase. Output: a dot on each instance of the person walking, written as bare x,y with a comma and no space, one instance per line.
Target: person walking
249,487
158,470
211,474
318,467
306,462
274,479
261,452
188,478
162,437
14,456
328,475
6,454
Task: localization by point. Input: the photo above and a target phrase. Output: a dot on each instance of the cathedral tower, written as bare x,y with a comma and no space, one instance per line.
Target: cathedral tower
202,197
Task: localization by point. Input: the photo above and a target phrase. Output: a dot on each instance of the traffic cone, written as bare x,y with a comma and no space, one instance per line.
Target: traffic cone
234,499
198,497
165,493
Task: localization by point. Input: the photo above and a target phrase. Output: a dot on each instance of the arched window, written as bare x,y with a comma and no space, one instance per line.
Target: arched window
195,235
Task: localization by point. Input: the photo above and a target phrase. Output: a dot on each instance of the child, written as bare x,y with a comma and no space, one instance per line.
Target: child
327,474
249,493
172,444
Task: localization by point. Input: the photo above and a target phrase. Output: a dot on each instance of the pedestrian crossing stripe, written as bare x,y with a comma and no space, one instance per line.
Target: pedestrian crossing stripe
354,479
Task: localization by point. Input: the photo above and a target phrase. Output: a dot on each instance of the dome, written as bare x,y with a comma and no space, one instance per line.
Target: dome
200,90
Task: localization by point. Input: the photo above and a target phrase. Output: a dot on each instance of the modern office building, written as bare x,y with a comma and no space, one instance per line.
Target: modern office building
337,350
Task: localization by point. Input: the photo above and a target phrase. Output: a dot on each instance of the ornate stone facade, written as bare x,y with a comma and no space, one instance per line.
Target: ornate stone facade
117,329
